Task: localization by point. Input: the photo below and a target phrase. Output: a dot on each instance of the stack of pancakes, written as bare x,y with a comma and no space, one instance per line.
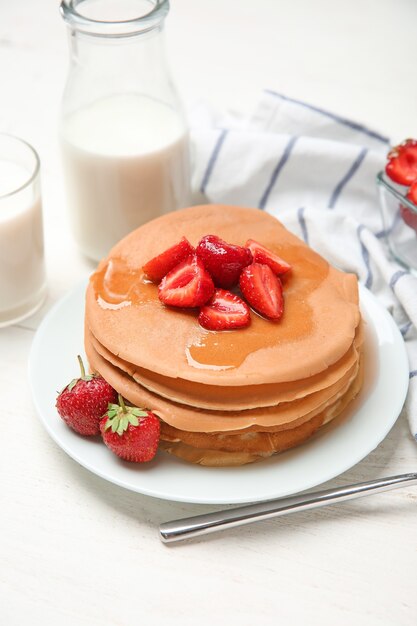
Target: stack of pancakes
227,397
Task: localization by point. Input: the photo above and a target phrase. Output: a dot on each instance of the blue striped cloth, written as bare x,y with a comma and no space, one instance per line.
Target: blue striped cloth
315,171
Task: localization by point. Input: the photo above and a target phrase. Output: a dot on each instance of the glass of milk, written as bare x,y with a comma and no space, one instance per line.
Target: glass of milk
123,134
22,268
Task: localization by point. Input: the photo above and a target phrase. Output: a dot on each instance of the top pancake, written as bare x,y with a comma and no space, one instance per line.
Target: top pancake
126,316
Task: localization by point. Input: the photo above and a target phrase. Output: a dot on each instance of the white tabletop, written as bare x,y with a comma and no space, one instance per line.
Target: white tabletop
75,550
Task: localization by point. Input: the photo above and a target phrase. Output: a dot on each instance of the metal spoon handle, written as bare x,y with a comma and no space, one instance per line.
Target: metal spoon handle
188,527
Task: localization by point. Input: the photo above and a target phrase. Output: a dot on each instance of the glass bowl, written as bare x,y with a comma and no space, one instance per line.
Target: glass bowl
399,216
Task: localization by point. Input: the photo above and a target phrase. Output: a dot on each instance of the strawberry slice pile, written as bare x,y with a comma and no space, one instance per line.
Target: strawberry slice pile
402,169
204,277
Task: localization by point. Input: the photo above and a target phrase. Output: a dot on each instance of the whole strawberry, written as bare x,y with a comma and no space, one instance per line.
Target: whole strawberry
84,401
131,433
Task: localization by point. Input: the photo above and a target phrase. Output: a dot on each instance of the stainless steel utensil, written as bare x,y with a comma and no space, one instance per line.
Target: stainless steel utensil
181,529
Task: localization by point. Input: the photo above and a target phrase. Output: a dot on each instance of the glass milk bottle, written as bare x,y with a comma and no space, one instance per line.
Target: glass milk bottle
123,134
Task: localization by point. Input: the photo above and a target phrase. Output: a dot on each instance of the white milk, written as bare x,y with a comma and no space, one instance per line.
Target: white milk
22,271
126,161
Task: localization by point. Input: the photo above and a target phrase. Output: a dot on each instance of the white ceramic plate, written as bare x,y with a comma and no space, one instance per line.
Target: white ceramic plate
336,448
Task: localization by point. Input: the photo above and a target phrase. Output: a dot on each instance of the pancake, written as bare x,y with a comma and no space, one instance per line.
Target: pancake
316,331
285,415
215,397
262,442
210,458
221,456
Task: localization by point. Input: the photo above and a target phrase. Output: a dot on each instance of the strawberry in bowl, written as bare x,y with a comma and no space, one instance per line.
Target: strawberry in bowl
402,163
398,196
401,169
408,214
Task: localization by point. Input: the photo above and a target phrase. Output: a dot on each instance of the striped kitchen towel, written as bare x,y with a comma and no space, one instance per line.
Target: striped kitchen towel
315,171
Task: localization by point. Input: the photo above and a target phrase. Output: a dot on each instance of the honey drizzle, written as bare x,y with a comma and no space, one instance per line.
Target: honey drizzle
117,285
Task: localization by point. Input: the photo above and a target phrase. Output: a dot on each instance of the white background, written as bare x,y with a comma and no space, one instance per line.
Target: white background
75,550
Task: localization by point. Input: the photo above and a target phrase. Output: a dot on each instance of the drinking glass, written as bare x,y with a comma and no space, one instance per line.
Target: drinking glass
22,266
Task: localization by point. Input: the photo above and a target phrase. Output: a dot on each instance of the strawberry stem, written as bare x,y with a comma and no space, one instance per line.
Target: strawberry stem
80,361
122,403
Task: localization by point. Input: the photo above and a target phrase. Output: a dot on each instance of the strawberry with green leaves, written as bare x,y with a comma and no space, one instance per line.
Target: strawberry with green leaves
131,433
83,402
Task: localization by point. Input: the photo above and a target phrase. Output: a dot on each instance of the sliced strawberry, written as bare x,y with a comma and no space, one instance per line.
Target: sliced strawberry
263,290
225,311
187,285
159,266
409,216
267,257
402,162
224,261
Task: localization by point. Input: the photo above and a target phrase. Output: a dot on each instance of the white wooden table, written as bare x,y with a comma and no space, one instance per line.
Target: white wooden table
75,550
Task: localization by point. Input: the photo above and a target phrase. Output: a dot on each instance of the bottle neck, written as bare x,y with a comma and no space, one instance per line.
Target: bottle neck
140,51
114,18
111,57
102,67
